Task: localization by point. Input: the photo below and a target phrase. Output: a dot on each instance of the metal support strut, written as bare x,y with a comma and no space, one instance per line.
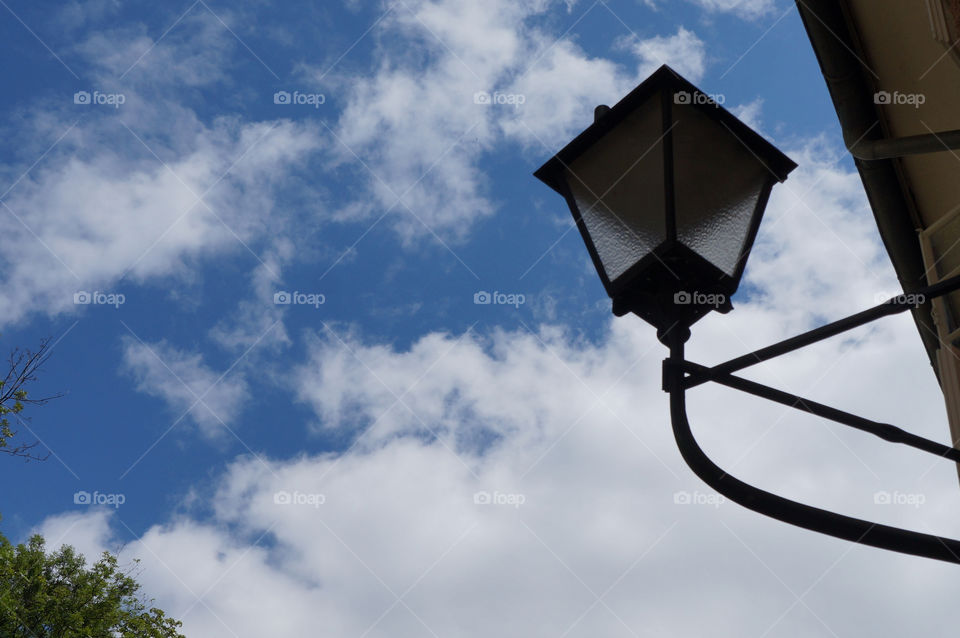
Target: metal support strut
680,375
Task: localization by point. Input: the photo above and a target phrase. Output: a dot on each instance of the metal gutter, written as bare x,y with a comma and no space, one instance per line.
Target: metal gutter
839,55
891,148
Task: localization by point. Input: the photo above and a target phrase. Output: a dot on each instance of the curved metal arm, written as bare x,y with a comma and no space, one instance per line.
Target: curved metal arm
806,516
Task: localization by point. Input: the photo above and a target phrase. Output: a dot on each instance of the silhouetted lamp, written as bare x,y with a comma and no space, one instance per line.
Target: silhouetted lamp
667,189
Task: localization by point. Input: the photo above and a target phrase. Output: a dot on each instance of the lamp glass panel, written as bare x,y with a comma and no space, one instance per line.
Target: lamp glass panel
618,188
717,182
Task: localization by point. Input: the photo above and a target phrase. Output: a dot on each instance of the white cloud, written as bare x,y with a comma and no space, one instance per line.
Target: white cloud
416,128
258,321
749,9
87,531
562,88
683,51
195,54
186,384
750,113
146,192
85,220
598,479
73,15
417,118
816,218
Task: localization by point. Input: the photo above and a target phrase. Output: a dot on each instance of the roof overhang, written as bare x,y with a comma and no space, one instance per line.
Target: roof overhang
869,50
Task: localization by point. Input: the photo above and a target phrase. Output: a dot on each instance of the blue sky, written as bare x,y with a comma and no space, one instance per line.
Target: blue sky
395,198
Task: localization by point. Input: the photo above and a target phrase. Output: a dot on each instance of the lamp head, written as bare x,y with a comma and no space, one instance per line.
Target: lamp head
667,189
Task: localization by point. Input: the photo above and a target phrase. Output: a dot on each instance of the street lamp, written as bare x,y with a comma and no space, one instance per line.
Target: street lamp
667,189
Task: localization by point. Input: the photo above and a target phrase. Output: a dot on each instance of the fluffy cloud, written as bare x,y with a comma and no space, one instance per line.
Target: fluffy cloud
562,86
195,54
105,198
588,500
186,384
751,113
461,80
257,321
88,532
750,9
86,220
412,127
684,51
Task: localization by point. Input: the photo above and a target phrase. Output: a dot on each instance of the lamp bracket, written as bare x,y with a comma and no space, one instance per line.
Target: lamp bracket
680,375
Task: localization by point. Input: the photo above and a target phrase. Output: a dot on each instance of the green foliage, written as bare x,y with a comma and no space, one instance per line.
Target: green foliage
56,596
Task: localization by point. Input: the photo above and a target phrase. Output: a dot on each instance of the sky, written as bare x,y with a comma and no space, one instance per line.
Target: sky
256,236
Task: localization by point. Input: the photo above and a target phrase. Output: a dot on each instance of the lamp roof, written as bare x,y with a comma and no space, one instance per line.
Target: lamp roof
664,78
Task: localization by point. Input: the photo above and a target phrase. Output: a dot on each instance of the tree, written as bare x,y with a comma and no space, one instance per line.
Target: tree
56,596
23,368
